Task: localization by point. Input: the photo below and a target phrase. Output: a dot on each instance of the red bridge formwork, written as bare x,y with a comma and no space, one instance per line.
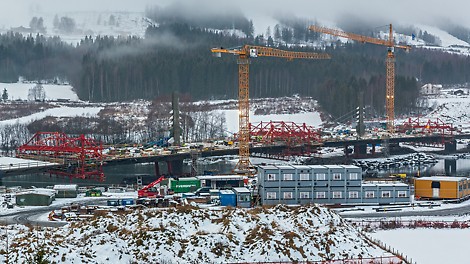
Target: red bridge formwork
81,157
292,134
426,127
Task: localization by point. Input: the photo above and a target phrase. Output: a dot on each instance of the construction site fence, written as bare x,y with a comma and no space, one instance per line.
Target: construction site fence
395,224
375,260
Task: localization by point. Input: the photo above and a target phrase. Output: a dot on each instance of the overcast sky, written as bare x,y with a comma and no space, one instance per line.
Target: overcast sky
14,12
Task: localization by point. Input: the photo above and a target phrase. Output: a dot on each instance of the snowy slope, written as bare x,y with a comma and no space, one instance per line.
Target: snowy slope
447,39
451,109
20,91
190,235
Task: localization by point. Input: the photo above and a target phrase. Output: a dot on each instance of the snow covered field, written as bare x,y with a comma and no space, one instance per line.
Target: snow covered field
19,91
428,246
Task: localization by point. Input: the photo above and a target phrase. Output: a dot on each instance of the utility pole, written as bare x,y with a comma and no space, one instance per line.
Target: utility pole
176,119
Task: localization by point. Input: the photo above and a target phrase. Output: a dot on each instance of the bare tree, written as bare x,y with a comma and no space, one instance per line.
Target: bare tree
37,93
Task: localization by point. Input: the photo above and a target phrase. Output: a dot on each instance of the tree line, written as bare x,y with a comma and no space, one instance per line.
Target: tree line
177,57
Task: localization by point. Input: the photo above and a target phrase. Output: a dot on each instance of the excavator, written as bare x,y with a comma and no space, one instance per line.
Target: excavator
149,190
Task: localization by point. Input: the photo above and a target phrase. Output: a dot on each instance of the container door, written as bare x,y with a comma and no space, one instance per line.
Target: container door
435,185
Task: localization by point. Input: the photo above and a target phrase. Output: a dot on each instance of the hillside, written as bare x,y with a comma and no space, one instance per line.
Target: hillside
190,235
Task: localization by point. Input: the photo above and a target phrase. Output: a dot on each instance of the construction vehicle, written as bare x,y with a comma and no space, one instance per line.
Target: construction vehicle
245,53
150,190
390,64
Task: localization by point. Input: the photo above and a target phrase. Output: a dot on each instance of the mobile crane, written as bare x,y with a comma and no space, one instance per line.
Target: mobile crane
390,64
149,190
245,53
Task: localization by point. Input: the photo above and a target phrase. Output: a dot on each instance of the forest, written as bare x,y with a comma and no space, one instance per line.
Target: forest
176,57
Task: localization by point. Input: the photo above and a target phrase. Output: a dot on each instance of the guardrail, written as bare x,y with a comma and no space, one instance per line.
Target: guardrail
375,260
23,165
395,224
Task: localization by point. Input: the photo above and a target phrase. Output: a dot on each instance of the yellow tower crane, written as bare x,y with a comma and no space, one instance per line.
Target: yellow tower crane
244,54
390,64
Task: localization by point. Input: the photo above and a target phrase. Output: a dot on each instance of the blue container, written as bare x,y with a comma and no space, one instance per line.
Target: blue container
113,202
227,198
127,201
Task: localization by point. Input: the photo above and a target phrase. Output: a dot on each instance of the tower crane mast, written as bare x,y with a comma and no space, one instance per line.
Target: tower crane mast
245,53
390,64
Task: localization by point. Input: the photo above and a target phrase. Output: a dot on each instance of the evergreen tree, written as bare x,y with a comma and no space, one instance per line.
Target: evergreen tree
5,95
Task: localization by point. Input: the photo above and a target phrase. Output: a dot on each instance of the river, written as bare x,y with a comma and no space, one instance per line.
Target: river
127,174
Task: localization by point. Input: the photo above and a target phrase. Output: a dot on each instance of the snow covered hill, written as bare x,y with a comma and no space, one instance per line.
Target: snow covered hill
191,235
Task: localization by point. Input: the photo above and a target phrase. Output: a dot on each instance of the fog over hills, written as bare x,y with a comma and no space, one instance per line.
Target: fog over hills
347,14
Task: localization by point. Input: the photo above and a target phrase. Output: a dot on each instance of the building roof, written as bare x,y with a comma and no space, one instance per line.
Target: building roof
441,178
304,167
317,166
333,166
241,190
226,192
384,184
37,191
286,167
68,187
267,167
220,177
350,167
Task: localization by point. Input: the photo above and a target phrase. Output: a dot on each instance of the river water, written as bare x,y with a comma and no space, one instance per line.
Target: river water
127,174
115,175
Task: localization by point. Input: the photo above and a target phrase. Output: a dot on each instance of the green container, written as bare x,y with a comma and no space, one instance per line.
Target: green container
34,199
66,194
185,185
93,193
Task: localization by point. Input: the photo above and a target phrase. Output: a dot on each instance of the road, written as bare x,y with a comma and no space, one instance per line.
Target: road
458,210
31,217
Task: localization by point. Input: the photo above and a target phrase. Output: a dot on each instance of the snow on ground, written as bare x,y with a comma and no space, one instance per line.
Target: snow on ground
451,109
447,39
91,24
189,235
428,246
20,90
62,111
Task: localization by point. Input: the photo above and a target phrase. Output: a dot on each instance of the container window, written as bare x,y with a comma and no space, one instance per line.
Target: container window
271,195
402,194
320,176
288,195
353,195
386,194
288,177
337,195
353,176
304,177
304,195
321,195
336,176
270,177
369,194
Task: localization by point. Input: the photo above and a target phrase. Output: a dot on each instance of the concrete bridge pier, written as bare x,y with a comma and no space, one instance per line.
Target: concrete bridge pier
157,169
450,167
450,146
360,150
175,167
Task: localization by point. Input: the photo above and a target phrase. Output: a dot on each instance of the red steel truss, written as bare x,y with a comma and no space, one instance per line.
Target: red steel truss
81,157
426,127
289,132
